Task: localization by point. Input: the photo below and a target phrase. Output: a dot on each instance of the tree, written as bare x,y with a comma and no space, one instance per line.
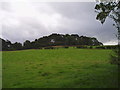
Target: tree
16,46
111,10
51,40
27,44
6,44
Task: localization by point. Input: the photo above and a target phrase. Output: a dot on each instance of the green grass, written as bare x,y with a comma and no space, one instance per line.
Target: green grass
0,70
59,68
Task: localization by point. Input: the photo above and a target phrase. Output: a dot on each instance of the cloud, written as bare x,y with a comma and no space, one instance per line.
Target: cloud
30,20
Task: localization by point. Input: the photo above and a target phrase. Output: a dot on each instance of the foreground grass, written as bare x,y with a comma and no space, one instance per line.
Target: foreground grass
59,68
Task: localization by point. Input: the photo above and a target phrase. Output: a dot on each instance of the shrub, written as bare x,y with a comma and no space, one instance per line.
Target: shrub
115,58
100,47
66,47
90,47
82,47
106,47
49,48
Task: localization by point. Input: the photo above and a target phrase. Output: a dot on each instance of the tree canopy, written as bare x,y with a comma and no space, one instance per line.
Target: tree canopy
51,40
111,10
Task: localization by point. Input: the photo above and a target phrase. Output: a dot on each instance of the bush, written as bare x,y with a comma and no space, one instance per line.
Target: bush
90,47
106,47
49,48
100,47
115,58
82,47
66,47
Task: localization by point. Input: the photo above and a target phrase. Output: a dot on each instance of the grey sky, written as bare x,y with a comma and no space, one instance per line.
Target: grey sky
31,20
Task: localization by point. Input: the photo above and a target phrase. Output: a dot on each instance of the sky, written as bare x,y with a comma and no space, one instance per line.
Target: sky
31,20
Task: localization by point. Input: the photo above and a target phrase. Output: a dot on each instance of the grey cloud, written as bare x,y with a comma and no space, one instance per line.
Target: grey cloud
73,9
78,18
28,30
85,13
5,6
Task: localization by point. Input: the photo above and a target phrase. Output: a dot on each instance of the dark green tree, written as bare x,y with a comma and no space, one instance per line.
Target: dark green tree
27,44
6,45
16,46
111,10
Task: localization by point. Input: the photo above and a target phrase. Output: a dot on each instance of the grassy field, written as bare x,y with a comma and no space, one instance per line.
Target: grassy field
59,68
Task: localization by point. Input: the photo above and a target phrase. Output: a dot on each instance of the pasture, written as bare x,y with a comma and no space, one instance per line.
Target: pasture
59,68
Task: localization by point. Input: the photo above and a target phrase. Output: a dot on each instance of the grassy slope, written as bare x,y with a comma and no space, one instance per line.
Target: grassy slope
77,68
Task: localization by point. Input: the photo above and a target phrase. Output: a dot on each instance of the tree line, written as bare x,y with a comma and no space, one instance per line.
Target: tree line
51,40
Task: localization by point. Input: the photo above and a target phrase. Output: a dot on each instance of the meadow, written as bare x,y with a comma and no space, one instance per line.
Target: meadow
59,68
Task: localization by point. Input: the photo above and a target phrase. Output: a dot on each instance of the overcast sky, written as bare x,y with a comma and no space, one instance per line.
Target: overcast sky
31,20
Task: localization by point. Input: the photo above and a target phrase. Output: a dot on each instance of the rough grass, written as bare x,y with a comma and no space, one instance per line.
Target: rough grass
59,68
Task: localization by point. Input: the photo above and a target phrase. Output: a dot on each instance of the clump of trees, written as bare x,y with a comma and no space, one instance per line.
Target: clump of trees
52,40
8,46
107,47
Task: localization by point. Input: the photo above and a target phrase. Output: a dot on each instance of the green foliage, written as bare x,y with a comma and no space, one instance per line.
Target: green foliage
115,58
107,47
105,10
82,46
66,47
8,46
111,10
17,46
59,68
27,44
52,40
49,48
90,47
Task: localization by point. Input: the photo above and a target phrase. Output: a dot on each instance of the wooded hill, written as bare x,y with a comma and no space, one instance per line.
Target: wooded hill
51,40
